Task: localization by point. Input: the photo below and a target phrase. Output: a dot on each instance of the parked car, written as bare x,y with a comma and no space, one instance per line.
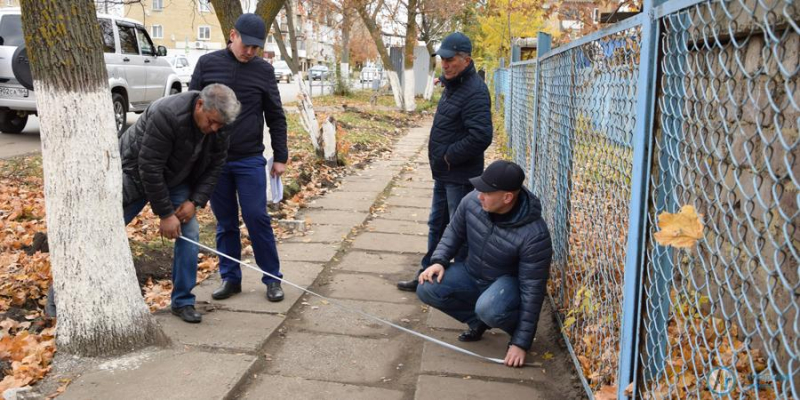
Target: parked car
182,67
138,72
319,72
368,74
282,71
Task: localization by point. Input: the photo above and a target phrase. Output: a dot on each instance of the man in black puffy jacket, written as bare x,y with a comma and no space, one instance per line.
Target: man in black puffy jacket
461,132
243,181
171,158
503,282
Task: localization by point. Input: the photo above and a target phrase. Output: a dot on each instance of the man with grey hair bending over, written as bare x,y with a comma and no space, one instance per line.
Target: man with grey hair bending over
171,158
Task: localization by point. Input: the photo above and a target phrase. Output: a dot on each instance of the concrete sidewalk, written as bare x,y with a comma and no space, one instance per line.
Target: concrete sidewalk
362,238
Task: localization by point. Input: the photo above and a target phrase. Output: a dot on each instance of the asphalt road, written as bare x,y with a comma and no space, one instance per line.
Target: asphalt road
28,141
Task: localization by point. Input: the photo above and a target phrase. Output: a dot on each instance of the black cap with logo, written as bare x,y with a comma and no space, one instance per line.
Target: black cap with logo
252,30
454,43
499,175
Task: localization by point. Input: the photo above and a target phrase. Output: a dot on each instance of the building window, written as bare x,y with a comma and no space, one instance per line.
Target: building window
157,32
158,5
204,5
270,39
204,33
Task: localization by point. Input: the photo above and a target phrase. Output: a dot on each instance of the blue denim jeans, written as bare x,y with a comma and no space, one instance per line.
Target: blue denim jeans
184,258
470,300
446,197
245,180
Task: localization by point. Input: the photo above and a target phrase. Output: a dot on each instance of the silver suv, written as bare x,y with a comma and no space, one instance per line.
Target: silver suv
138,73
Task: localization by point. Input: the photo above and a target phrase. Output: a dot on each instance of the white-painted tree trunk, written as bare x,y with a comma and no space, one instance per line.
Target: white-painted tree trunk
344,70
397,90
100,306
429,85
308,118
329,139
409,103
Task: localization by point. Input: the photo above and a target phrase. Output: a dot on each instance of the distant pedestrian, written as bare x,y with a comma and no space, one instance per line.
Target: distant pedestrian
503,282
461,132
243,181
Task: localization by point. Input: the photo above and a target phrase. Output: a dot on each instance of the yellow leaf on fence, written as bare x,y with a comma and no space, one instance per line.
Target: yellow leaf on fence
682,229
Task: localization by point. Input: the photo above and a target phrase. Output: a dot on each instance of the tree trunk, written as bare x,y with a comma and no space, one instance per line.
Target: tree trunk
372,28
228,11
268,10
292,33
347,21
431,72
408,59
100,306
328,138
308,118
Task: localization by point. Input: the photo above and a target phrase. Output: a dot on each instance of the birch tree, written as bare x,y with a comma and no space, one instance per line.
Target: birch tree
100,306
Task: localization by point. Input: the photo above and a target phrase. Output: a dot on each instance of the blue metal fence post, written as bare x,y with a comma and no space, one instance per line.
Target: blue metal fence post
635,249
543,43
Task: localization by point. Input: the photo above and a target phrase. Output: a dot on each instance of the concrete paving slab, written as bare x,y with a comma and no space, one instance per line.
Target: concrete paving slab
343,203
328,318
443,388
321,234
281,387
405,214
391,242
165,374
307,252
437,359
414,183
388,171
379,263
367,287
410,201
398,191
394,226
253,296
364,186
221,329
336,358
334,217
440,320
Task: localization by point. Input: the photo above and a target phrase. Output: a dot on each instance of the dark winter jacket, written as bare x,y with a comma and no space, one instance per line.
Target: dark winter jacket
462,128
256,89
157,150
518,247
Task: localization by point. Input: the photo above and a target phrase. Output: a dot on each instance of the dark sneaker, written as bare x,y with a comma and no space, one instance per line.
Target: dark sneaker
227,289
188,314
274,292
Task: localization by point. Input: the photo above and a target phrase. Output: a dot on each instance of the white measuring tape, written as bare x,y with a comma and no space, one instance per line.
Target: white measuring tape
362,313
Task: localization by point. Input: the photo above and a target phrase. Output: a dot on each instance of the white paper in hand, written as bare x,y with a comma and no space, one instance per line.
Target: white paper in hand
274,185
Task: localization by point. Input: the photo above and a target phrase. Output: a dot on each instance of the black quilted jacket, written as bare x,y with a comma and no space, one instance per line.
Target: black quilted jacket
462,128
520,247
256,89
157,149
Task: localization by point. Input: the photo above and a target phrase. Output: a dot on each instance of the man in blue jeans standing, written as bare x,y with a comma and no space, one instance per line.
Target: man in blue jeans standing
243,181
171,158
503,281
461,132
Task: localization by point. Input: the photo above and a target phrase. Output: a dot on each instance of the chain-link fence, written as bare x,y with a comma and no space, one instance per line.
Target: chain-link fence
709,119
721,317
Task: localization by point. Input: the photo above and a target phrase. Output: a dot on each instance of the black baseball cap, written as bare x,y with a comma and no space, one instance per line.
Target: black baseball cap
499,175
252,30
454,43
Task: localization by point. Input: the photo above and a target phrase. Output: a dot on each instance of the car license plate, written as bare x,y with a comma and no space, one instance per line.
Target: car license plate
13,92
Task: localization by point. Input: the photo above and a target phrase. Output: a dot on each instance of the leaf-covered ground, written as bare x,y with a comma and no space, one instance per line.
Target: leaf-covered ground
27,343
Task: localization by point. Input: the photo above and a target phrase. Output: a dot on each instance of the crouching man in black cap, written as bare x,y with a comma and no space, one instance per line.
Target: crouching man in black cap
503,281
